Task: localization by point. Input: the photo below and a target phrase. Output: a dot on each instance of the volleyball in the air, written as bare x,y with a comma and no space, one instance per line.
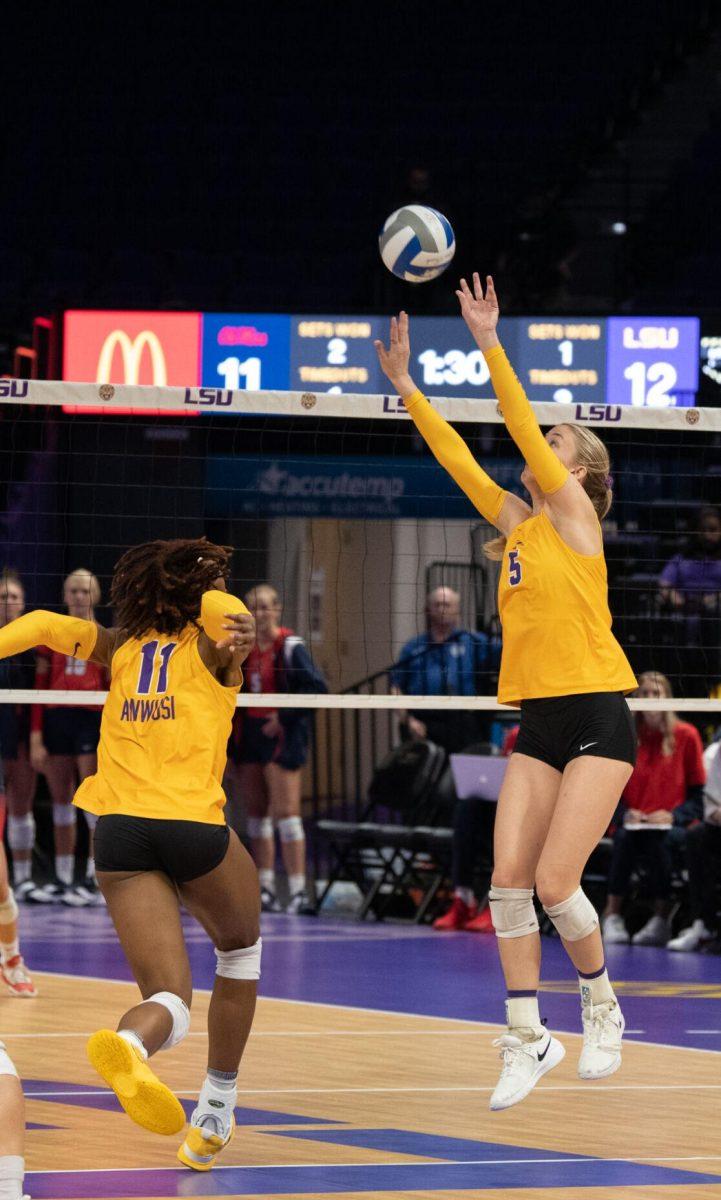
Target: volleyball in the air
417,243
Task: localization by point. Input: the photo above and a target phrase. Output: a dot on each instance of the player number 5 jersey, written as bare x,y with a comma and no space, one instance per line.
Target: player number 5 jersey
553,605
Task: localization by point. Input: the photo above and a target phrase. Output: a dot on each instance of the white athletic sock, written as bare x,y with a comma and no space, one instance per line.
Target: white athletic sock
466,895
9,950
216,1104
135,1041
266,875
595,988
64,868
522,1012
22,870
90,869
296,883
12,1173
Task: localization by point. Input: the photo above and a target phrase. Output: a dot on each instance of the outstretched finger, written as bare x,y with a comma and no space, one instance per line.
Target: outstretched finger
466,290
491,291
403,325
394,331
477,289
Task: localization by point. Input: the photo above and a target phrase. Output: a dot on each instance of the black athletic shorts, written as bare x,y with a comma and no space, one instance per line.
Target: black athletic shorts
71,730
251,745
14,729
558,728
184,850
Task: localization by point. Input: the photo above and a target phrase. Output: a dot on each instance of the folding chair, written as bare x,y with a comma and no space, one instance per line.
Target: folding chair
395,851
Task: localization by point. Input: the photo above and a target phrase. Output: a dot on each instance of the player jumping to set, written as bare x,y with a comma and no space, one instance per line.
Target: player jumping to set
563,666
161,838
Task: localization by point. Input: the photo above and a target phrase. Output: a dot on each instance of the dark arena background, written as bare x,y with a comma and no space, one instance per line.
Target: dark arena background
190,291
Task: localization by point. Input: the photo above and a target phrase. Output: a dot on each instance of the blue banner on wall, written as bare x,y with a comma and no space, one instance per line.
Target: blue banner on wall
368,488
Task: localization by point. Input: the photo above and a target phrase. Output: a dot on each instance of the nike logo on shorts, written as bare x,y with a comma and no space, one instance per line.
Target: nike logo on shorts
545,1052
586,745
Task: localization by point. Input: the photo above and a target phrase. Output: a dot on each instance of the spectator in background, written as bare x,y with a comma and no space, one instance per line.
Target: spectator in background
270,746
664,794
20,778
446,660
691,581
703,858
13,972
473,823
63,745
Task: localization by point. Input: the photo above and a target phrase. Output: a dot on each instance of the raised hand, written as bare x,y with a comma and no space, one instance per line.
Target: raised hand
395,360
241,635
480,313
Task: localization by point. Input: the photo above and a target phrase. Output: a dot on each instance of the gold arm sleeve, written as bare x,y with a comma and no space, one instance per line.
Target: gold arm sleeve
214,607
451,452
67,635
521,423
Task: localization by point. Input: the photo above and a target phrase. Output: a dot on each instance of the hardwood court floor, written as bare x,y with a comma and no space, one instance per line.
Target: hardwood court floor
363,1103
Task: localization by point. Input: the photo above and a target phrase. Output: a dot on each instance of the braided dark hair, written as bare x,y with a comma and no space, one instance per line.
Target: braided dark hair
159,585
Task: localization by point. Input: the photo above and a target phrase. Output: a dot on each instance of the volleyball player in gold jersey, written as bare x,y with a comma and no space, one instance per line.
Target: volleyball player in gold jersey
563,666
161,838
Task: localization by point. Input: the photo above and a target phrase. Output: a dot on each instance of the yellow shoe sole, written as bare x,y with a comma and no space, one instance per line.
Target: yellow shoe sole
145,1099
198,1152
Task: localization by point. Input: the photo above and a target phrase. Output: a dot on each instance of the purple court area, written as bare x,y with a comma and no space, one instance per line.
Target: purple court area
671,998
666,998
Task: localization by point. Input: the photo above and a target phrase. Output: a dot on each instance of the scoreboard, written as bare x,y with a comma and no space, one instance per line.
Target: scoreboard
562,361
640,361
334,354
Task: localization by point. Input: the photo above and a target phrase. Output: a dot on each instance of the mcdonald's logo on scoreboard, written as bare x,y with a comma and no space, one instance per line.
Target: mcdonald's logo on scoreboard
156,348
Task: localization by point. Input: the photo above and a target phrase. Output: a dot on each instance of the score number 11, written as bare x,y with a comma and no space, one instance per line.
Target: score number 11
233,370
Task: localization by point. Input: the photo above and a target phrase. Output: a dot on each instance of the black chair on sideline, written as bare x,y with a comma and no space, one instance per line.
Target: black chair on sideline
397,854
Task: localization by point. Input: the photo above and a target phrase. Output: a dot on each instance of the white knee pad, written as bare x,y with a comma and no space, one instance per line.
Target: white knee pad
64,814
290,829
7,1066
8,909
12,1176
240,964
575,917
91,820
180,1013
512,912
259,828
21,832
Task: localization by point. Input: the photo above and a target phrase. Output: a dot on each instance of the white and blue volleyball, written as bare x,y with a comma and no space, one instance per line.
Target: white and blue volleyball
417,243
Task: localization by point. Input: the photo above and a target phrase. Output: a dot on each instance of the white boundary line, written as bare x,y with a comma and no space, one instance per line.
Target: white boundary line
384,1012
413,1089
428,1162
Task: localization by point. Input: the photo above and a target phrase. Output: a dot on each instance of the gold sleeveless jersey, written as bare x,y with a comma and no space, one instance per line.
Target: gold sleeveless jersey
553,604
164,733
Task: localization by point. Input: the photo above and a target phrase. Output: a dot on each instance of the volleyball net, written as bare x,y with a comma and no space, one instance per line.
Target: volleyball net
335,501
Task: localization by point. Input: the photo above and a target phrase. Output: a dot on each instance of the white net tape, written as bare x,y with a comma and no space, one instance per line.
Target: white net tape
138,400
355,701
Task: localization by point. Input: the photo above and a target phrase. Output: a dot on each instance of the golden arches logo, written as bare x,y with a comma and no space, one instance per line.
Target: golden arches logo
131,351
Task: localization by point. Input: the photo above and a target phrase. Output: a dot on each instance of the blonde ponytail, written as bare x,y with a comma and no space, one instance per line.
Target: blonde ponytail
495,548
